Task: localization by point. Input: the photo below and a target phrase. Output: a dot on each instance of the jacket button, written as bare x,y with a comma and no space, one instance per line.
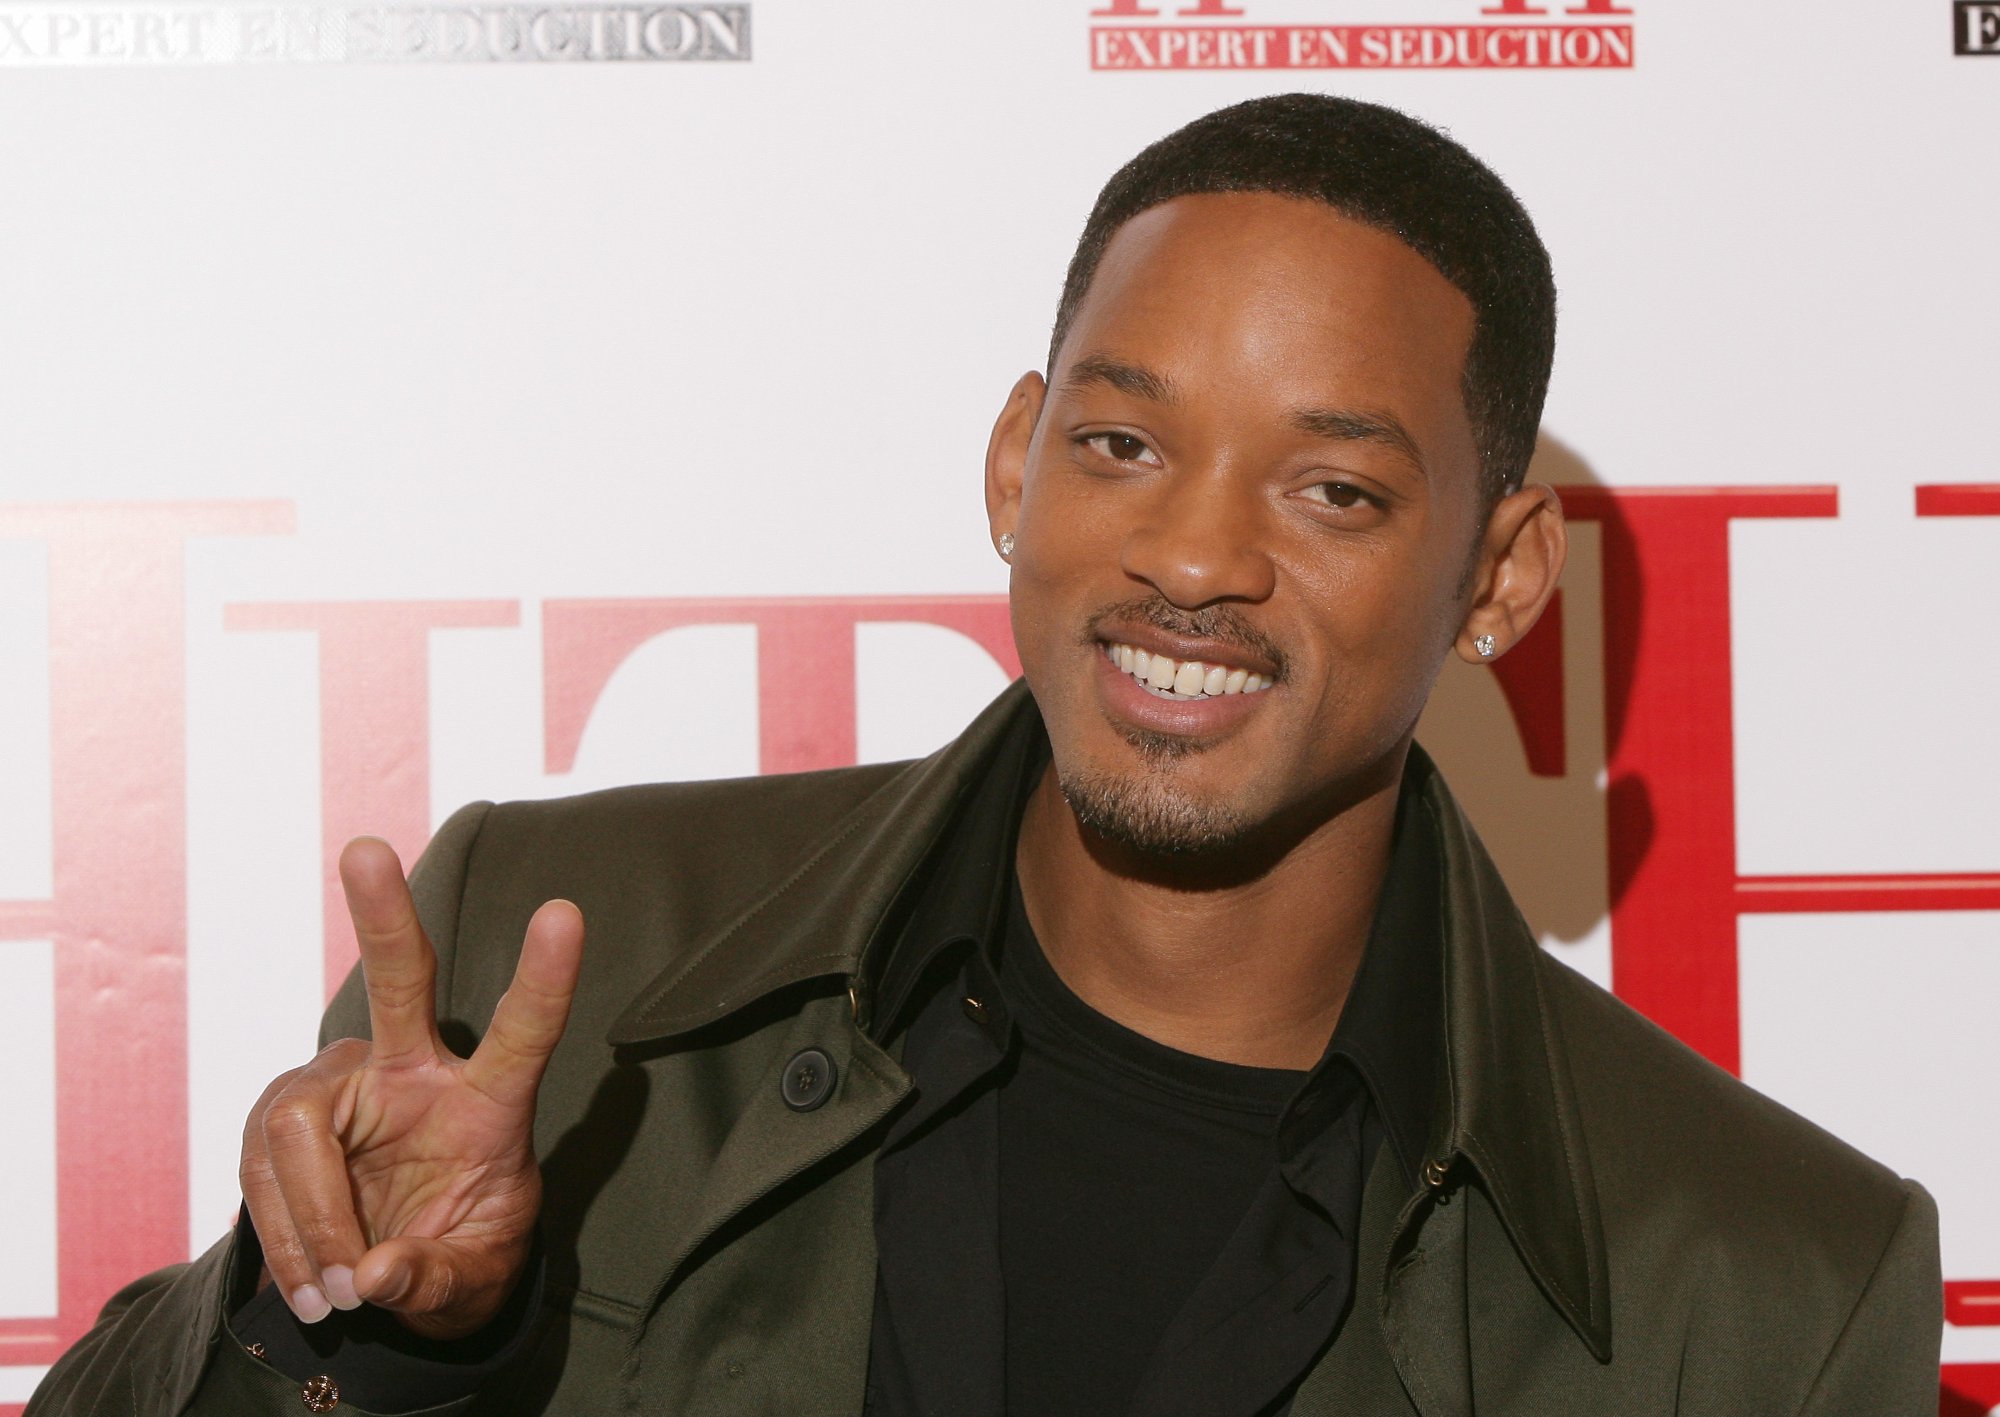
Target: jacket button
320,1394
975,1009
808,1080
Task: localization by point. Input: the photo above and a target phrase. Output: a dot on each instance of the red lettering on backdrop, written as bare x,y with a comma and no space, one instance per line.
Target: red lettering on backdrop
118,912
1675,890
805,662
1519,8
1963,499
1970,1389
374,727
1671,812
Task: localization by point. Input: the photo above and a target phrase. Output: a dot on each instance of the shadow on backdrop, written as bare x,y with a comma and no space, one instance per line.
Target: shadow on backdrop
1525,743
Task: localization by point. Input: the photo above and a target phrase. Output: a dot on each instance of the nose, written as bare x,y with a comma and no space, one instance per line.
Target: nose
1201,539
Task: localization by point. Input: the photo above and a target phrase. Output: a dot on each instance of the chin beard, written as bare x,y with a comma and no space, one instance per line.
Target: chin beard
1146,815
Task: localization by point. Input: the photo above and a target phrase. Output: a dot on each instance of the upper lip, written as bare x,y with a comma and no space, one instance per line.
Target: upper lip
1186,647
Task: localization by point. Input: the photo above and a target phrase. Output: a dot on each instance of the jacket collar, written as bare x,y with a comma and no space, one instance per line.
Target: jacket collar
1509,1111
821,918
1511,1106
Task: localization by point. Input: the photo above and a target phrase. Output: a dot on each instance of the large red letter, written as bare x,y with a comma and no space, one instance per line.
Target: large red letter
809,641
1675,891
374,727
1668,735
118,912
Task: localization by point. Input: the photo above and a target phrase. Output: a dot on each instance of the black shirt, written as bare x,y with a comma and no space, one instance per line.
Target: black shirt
1133,1163
1073,1219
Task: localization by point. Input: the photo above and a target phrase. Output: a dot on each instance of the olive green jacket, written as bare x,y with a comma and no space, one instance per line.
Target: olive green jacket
1609,1226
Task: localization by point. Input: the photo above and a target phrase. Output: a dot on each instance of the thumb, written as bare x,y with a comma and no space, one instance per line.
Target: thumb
411,1276
437,1289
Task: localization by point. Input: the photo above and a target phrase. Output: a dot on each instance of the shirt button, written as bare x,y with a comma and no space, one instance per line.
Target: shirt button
975,1009
320,1394
808,1080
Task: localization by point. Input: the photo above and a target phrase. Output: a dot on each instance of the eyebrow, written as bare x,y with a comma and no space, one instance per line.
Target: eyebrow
1350,426
1133,379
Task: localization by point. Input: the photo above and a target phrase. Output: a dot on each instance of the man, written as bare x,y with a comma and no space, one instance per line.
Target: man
1165,1045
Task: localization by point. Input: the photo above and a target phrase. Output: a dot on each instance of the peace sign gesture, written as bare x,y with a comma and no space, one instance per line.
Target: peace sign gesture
393,1171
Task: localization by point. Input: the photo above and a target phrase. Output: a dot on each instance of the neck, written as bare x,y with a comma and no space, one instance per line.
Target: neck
1247,959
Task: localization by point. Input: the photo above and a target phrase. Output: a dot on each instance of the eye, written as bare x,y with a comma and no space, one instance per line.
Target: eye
1121,447
1338,494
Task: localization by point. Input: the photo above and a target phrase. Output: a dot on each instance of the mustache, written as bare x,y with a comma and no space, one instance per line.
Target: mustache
1222,623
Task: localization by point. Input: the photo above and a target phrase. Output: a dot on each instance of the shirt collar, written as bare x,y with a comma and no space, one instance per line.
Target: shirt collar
1391,1030
962,898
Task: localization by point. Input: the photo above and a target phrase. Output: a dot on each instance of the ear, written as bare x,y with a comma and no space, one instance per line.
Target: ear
1521,555
1007,453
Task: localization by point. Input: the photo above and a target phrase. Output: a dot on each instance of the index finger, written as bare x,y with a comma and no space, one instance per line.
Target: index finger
398,965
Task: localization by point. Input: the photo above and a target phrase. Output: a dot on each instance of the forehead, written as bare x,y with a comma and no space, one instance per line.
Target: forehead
1256,293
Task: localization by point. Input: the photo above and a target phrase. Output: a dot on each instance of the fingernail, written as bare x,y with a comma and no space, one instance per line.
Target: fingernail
309,1304
339,1282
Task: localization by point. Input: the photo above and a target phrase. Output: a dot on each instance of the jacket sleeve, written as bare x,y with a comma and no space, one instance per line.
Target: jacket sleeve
162,1345
1886,1358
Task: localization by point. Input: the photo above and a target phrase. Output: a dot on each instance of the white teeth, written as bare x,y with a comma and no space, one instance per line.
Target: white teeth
1184,679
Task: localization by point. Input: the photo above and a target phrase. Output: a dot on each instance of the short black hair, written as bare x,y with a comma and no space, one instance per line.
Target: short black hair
1390,171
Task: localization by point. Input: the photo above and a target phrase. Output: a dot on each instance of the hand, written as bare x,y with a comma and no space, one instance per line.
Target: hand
394,1171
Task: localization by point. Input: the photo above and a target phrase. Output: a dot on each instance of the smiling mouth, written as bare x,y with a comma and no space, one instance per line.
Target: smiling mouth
1183,679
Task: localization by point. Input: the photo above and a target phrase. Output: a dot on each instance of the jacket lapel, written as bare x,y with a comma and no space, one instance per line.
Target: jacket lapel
1512,1111
1506,1126
818,923
824,914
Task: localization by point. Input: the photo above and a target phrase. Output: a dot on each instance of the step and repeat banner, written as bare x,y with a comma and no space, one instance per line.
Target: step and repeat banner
406,403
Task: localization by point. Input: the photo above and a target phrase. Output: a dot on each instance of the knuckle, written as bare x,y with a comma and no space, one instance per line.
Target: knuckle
399,991
253,1124
520,1038
291,1121
402,924
438,1288
253,1174
282,1254
320,1233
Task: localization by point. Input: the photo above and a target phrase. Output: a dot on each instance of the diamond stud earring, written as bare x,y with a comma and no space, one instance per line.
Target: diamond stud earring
1006,544
1484,644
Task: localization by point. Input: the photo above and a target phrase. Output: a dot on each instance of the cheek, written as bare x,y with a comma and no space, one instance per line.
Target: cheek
1382,618
1067,540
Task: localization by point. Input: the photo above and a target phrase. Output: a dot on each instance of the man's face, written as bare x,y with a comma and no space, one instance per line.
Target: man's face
1254,458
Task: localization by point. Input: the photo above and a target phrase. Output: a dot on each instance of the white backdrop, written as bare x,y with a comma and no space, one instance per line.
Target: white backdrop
519,338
